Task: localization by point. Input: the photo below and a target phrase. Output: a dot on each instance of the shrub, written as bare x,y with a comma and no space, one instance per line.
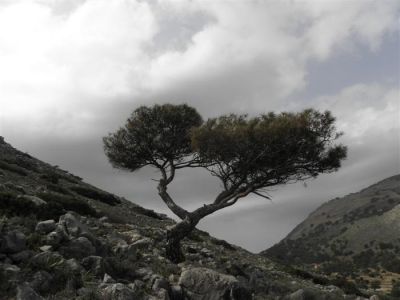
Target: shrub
13,168
69,203
395,289
96,195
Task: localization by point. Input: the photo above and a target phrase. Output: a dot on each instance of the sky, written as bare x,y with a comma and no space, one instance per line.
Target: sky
71,71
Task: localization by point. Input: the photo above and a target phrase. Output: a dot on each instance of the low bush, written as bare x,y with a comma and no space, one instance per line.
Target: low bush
96,195
13,168
68,203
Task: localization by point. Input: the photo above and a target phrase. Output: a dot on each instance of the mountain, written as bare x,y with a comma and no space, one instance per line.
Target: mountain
61,238
357,235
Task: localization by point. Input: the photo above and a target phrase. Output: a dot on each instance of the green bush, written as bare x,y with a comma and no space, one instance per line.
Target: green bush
96,195
13,168
68,203
396,289
51,177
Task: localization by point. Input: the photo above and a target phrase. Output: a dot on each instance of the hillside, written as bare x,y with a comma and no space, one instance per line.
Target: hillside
61,238
357,235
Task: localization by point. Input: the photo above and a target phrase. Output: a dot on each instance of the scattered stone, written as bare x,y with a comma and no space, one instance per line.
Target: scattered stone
41,281
25,292
47,260
118,291
13,242
54,238
94,264
46,248
177,293
108,279
21,256
46,226
141,244
161,283
72,266
73,226
203,283
79,247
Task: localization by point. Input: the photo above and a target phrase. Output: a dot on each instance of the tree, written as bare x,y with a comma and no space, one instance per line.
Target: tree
247,155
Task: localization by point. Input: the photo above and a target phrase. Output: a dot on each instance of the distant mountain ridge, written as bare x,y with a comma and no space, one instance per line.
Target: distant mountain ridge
358,235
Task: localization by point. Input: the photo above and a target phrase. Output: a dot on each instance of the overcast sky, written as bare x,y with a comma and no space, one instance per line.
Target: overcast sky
72,70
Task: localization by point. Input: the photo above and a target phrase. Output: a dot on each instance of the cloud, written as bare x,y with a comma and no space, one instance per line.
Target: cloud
66,63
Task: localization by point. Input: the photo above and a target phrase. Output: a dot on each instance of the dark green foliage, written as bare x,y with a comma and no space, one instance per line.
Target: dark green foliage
58,189
347,286
11,205
152,135
270,149
13,168
224,244
96,195
147,212
69,203
396,289
50,176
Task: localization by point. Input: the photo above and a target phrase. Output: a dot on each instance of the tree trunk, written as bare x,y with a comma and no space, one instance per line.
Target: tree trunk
174,236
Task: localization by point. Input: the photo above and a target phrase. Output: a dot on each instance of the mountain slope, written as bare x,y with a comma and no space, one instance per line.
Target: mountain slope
358,234
61,238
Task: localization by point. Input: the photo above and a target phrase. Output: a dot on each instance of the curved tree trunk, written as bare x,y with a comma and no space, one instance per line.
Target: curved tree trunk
175,235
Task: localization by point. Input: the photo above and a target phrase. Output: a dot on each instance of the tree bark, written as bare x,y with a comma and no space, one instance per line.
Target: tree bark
175,235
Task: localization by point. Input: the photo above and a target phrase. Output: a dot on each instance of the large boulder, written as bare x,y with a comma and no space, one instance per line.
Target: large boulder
207,284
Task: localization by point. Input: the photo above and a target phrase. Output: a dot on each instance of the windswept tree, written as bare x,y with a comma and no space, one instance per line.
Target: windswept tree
247,155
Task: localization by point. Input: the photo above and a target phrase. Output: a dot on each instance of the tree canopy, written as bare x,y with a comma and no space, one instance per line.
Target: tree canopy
247,154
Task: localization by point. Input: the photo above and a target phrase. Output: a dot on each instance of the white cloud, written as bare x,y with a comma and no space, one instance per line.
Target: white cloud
66,64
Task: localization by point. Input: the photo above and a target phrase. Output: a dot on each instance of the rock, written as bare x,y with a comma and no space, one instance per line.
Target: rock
141,244
103,219
55,238
35,200
46,248
118,291
374,297
25,292
207,284
72,266
78,248
41,281
46,226
9,270
94,264
73,226
21,256
13,242
160,283
177,293
144,273
304,294
46,260
108,279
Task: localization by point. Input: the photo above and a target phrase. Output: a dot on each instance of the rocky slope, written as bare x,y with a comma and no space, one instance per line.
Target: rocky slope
61,238
357,235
